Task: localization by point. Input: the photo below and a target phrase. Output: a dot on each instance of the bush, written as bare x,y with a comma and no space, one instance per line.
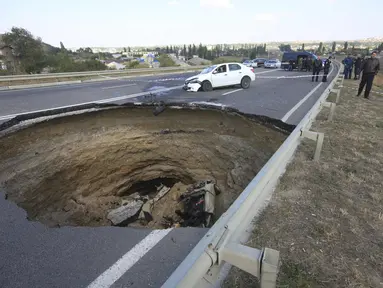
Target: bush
166,61
221,60
133,64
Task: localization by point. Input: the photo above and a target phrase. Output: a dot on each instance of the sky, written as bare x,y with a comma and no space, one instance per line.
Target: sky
123,23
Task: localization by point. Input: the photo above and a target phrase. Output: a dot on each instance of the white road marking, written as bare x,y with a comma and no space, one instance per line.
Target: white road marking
233,91
112,87
5,117
295,108
264,72
288,114
118,269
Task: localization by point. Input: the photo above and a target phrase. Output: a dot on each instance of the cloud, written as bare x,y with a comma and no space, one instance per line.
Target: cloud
265,17
173,2
216,3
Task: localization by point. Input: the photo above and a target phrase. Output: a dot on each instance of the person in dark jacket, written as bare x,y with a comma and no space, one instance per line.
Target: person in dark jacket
370,68
348,62
357,67
291,63
317,66
309,64
326,69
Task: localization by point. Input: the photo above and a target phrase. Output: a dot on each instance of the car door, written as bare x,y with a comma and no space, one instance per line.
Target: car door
235,74
220,76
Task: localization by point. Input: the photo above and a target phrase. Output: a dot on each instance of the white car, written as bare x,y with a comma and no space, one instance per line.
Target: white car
273,64
226,74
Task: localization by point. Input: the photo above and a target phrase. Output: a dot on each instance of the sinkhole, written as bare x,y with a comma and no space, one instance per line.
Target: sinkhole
78,170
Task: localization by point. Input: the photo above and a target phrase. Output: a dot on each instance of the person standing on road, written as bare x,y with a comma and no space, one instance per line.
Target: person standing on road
348,62
370,68
357,67
309,64
300,63
317,66
291,63
326,69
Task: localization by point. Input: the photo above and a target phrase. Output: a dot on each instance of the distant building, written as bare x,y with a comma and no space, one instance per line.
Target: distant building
156,63
115,65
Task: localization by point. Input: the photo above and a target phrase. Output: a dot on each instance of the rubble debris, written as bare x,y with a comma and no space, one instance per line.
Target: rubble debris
162,192
199,204
125,213
146,211
147,208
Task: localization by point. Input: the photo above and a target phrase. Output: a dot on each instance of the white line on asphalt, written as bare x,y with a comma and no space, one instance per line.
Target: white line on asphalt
118,269
236,90
264,72
288,114
5,117
295,108
112,87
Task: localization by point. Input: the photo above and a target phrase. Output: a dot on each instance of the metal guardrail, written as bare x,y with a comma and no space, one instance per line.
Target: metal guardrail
222,243
95,73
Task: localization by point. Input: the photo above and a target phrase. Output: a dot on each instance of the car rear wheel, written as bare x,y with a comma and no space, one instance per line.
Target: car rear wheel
206,86
245,82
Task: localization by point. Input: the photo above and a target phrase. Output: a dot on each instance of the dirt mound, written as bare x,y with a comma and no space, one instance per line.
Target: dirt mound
74,170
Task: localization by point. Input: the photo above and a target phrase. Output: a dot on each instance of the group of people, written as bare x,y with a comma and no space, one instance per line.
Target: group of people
369,67
316,65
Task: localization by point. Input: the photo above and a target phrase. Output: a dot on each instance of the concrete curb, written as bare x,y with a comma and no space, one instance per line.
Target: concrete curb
107,78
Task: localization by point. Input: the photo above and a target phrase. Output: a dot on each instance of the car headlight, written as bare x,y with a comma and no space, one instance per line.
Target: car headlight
194,80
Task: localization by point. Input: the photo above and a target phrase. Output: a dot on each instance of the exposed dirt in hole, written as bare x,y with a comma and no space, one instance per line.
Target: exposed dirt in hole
73,170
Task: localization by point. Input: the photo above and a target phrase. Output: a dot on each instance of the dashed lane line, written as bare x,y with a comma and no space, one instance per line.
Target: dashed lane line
118,269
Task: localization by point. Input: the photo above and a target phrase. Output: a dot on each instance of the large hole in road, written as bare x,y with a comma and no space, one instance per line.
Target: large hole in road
126,167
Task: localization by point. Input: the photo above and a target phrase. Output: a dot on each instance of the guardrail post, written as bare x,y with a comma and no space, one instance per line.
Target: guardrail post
316,136
337,91
262,264
332,107
269,268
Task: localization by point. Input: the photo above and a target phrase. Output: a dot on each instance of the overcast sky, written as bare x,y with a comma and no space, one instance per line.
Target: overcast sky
121,23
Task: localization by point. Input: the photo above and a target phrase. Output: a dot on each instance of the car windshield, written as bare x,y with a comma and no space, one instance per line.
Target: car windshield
208,69
272,61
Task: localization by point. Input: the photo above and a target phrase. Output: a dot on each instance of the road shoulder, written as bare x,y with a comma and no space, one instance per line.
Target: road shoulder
326,218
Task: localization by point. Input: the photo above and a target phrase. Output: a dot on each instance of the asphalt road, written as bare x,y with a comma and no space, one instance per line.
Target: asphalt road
269,95
32,255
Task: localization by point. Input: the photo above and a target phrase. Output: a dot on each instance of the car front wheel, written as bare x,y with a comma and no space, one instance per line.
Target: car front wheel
245,82
206,86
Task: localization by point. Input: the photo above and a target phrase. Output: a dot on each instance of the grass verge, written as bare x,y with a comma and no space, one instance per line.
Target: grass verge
326,218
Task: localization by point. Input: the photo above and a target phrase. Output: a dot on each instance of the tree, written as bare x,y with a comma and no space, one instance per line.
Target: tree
184,51
88,50
303,47
345,46
253,53
333,47
200,51
380,47
285,48
194,50
62,47
190,55
167,50
320,48
124,49
129,49
27,49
